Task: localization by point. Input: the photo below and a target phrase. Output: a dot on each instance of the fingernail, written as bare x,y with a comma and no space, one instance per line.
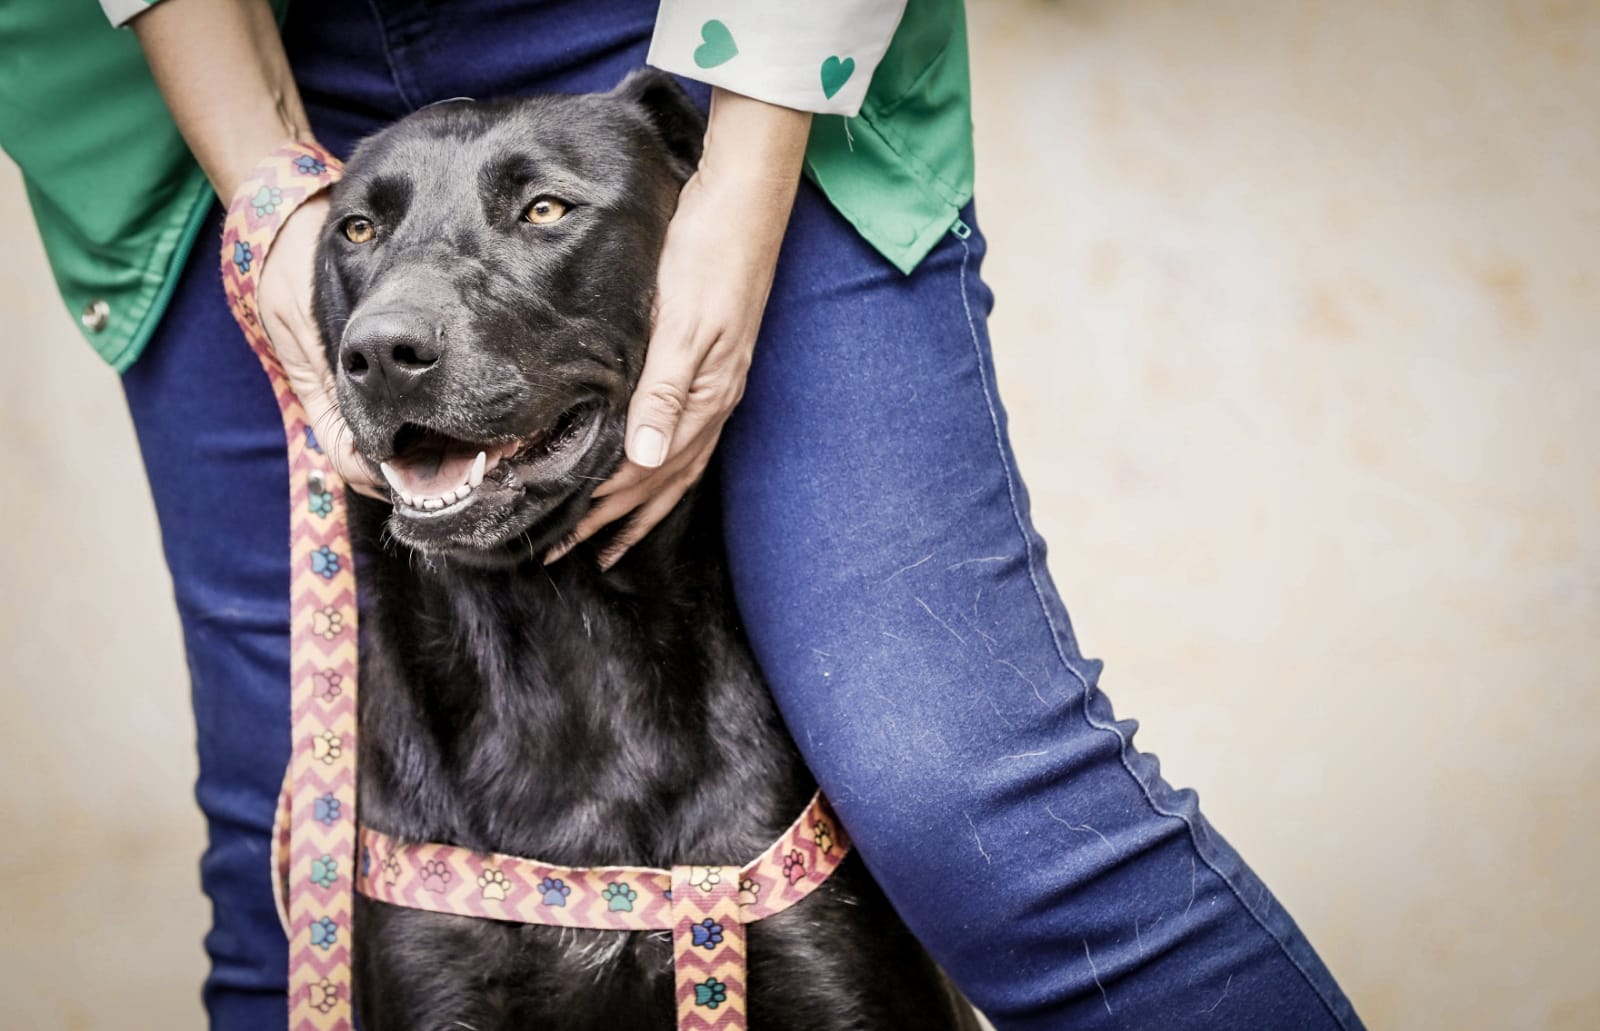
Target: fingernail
649,447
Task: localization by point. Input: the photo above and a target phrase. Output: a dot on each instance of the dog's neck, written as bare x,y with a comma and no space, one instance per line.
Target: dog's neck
574,715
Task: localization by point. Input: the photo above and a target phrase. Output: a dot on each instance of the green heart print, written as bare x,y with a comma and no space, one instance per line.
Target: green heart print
835,73
718,47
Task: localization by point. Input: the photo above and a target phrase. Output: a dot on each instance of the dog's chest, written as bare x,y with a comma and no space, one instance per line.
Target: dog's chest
550,719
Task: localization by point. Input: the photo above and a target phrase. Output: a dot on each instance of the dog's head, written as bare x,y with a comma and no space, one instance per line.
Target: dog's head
484,290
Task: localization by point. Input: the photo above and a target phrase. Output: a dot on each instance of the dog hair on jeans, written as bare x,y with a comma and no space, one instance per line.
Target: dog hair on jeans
484,284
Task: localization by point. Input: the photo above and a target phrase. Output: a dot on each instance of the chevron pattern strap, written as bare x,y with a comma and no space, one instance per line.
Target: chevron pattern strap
706,907
708,951
317,841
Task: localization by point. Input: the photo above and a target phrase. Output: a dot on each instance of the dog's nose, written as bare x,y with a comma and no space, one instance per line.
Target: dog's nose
388,354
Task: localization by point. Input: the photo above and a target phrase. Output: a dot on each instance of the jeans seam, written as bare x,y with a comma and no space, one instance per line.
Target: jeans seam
388,56
1055,638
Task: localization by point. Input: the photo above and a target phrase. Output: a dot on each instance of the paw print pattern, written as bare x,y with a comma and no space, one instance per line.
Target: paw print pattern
325,563
710,993
794,866
266,201
822,833
492,885
320,502
326,747
619,897
391,870
324,996
435,876
311,440
366,860
324,871
707,934
325,810
324,933
327,622
553,891
305,164
329,684
243,255
705,877
749,891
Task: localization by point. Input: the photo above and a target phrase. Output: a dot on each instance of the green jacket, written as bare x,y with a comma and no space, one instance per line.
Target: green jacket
119,200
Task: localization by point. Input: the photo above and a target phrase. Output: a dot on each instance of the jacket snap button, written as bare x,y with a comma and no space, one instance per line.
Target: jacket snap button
96,314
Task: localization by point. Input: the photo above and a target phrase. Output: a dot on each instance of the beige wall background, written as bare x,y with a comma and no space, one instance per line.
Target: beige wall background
1297,323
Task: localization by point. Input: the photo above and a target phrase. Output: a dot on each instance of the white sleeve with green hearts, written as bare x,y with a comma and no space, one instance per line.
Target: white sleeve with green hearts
121,12
816,56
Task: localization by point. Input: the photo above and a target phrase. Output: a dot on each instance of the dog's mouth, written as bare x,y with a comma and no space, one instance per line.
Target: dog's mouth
434,476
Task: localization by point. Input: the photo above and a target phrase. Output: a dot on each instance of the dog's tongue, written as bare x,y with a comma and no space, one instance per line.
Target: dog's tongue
430,472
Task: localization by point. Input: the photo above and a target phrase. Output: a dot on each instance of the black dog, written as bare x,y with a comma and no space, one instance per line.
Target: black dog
484,287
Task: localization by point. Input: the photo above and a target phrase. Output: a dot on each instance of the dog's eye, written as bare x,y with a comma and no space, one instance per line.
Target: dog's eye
358,229
544,210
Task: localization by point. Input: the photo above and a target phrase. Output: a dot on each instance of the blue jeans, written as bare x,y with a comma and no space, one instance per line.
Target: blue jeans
884,562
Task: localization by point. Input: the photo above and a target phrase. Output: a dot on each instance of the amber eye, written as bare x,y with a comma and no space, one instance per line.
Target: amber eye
358,229
544,210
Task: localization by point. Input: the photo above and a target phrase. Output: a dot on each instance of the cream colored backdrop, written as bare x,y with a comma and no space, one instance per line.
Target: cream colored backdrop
1297,323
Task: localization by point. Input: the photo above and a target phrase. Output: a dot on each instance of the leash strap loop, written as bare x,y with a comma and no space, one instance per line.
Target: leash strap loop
315,836
705,907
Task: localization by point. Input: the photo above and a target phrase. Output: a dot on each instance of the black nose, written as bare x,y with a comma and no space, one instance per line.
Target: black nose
389,354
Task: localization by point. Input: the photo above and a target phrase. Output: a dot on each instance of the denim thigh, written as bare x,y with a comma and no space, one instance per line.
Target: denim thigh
896,594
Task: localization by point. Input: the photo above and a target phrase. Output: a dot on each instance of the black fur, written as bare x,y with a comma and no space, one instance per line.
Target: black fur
559,712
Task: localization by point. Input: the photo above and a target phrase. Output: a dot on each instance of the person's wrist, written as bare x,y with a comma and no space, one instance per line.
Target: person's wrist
271,150
234,160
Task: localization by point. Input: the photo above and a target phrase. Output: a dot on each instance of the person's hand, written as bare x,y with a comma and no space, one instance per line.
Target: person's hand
284,299
711,290
223,73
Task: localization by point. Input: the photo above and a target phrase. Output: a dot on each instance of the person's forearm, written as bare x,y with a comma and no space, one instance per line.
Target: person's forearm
752,161
221,68
752,139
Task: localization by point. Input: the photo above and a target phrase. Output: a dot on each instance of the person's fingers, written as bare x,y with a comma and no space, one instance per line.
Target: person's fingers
628,475
698,418
284,297
662,395
334,437
672,479
597,518
645,518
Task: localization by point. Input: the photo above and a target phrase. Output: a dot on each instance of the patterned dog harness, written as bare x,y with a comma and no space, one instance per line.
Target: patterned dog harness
315,836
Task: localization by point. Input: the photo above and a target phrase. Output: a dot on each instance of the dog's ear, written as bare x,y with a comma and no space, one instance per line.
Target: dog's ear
671,111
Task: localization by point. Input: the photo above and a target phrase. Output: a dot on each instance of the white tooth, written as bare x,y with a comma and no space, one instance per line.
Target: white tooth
475,477
452,497
409,500
390,475
433,503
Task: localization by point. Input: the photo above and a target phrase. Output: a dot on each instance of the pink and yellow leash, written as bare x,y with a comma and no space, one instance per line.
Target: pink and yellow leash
315,837
705,907
317,840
